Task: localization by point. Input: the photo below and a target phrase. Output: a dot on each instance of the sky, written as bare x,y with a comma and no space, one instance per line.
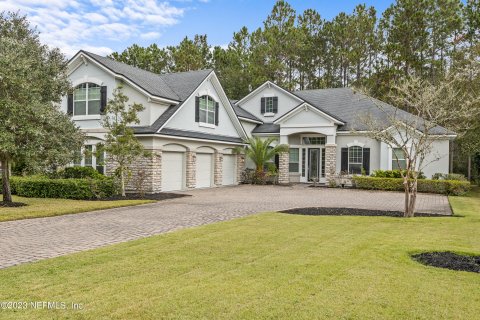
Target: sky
104,26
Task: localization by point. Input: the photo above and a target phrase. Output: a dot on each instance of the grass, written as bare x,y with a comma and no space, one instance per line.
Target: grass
40,207
265,266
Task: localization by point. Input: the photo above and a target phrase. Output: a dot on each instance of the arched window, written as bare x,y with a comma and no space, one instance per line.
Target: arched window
355,159
86,99
207,109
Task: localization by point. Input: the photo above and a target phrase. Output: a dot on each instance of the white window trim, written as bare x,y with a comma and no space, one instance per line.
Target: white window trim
208,124
298,162
269,114
87,117
79,116
361,163
313,135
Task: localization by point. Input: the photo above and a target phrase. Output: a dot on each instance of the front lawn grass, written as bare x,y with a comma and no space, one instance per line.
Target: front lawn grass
272,265
42,207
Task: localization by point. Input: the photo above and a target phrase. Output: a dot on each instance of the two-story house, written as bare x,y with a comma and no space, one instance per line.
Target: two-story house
192,128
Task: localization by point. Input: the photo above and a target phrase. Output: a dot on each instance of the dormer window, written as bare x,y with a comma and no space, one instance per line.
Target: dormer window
206,110
269,106
86,99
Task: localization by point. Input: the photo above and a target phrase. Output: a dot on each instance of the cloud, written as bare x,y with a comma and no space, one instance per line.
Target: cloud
96,25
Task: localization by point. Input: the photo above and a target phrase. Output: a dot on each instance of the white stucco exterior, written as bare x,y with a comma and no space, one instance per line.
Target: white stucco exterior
315,138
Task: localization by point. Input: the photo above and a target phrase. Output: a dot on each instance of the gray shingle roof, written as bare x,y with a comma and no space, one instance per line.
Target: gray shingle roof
348,105
159,122
173,86
199,135
267,128
240,112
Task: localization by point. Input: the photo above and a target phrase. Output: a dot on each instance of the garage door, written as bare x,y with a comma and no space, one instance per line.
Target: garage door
172,171
204,170
229,169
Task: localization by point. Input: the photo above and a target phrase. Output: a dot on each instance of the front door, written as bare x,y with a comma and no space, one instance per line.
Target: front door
314,164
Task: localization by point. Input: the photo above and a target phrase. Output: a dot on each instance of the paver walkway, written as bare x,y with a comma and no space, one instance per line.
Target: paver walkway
35,239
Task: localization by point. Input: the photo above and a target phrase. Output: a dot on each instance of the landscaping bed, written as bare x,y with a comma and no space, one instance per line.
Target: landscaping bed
321,211
449,260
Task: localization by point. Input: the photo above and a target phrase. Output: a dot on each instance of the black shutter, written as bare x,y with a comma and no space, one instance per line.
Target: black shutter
216,113
344,160
277,161
262,105
366,160
275,104
197,109
70,104
103,99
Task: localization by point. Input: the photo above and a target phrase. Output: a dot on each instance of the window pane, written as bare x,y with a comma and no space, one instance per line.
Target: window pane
303,162
293,167
77,161
323,163
80,108
93,92
269,105
203,103
355,154
203,116
294,155
313,140
398,152
211,104
88,156
94,107
355,168
80,92
399,165
211,117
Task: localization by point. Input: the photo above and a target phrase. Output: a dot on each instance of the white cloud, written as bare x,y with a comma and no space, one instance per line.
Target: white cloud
96,24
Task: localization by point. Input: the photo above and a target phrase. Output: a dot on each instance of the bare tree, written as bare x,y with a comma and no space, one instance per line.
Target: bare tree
437,111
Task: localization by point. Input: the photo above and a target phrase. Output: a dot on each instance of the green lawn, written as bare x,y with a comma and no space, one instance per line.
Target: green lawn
265,266
40,207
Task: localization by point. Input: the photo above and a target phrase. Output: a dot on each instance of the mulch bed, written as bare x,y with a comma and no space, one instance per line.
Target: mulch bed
449,260
154,196
11,204
321,211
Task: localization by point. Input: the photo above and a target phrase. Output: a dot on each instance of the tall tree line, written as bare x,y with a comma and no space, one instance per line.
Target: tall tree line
304,51
423,38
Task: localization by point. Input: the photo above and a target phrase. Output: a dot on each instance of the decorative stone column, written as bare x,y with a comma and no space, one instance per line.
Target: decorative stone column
146,173
218,169
191,169
240,166
283,164
330,160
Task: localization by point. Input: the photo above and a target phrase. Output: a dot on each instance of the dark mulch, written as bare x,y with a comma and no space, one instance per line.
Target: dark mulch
320,211
154,196
449,260
11,204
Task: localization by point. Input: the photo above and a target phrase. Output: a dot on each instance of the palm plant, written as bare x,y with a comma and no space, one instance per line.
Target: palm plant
260,151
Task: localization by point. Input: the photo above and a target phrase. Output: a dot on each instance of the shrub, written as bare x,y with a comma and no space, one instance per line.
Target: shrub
449,187
449,176
82,189
393,174
80,173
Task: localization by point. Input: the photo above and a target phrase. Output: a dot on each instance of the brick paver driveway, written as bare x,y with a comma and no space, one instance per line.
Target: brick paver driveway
35,239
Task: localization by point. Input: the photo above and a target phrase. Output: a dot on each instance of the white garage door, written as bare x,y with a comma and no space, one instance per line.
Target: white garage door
172,171
204,170
229,169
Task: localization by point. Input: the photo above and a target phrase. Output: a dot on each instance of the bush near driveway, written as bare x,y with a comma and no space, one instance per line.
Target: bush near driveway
80,189
449,187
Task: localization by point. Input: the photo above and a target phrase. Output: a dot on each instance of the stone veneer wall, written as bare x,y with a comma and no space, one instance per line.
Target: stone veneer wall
240,167
218,169
283,168
145,170
330,160
191,169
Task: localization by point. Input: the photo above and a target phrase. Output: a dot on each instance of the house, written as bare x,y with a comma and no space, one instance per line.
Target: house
192,128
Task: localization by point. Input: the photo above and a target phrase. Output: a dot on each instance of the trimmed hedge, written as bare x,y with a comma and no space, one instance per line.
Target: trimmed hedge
81,189
393,174
449,187
80,173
